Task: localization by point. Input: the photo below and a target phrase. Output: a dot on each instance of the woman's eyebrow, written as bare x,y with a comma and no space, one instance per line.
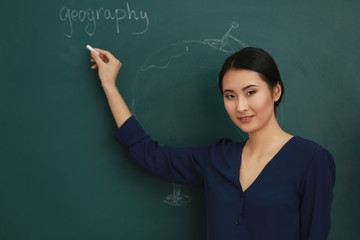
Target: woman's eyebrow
244,88
249,86
228,90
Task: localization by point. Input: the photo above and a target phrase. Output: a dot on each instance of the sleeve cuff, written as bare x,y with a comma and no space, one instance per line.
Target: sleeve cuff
130,132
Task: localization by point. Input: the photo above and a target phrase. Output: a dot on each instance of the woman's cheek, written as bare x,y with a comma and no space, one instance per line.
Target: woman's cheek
262,103
229,108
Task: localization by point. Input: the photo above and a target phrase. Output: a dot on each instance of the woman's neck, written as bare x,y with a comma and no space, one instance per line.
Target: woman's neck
267,138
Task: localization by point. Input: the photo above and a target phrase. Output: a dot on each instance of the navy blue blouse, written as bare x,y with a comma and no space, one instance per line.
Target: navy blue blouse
289,200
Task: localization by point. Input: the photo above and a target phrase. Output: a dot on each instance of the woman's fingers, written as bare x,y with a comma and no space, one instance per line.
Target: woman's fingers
95,65
104,55
108,66
104,52
104,58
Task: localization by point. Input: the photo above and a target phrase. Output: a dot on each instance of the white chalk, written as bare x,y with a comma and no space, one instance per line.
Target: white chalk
91,49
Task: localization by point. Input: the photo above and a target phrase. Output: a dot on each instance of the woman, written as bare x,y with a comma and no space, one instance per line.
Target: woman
272,186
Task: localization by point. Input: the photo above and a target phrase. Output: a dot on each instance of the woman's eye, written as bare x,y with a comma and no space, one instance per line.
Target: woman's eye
229,96
250,92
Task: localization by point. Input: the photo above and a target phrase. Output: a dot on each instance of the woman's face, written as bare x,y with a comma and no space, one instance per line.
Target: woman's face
248,99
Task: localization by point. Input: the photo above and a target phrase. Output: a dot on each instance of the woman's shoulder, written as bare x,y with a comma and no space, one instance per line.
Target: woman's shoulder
307,152
316,161
307,146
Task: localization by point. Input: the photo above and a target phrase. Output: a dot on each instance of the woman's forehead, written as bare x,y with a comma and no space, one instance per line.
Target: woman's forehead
240,78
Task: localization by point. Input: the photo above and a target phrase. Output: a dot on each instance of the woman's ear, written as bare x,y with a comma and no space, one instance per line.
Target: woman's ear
277,91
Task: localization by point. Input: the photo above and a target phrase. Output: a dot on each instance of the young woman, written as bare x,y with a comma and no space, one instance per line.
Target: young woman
272,186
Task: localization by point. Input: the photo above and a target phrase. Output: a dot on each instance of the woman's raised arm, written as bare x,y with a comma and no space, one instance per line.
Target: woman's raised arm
108,68
181,165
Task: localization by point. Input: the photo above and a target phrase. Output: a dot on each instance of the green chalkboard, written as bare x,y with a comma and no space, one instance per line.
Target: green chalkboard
63,176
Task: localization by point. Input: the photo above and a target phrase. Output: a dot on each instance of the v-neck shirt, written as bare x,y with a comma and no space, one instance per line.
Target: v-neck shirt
259,173
290,198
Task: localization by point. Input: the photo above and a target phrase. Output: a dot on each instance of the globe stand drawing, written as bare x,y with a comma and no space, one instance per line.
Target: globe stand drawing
176,198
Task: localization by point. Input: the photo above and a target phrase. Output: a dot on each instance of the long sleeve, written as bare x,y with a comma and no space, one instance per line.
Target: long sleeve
316,197
180,165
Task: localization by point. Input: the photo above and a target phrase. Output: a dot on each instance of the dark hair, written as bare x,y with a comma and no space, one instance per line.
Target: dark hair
257,60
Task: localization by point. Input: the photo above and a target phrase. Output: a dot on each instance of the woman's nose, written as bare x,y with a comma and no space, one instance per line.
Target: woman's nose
242,105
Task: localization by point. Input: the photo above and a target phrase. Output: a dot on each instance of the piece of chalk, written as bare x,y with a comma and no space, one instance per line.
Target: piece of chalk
91,49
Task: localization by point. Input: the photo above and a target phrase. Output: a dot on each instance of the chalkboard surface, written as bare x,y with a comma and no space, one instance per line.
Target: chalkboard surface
62,175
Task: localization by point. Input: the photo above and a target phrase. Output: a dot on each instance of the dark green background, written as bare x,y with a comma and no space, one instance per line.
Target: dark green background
62,176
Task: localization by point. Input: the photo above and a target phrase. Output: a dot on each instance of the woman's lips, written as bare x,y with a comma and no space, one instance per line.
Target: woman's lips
246,119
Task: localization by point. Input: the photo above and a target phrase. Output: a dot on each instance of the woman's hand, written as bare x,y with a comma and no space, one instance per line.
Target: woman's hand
108,67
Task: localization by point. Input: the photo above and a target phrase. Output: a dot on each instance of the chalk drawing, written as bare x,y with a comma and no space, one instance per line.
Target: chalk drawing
168,63
222,45
177,198
227,44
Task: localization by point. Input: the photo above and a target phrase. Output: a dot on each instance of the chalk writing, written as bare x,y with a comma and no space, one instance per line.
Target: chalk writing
91,17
